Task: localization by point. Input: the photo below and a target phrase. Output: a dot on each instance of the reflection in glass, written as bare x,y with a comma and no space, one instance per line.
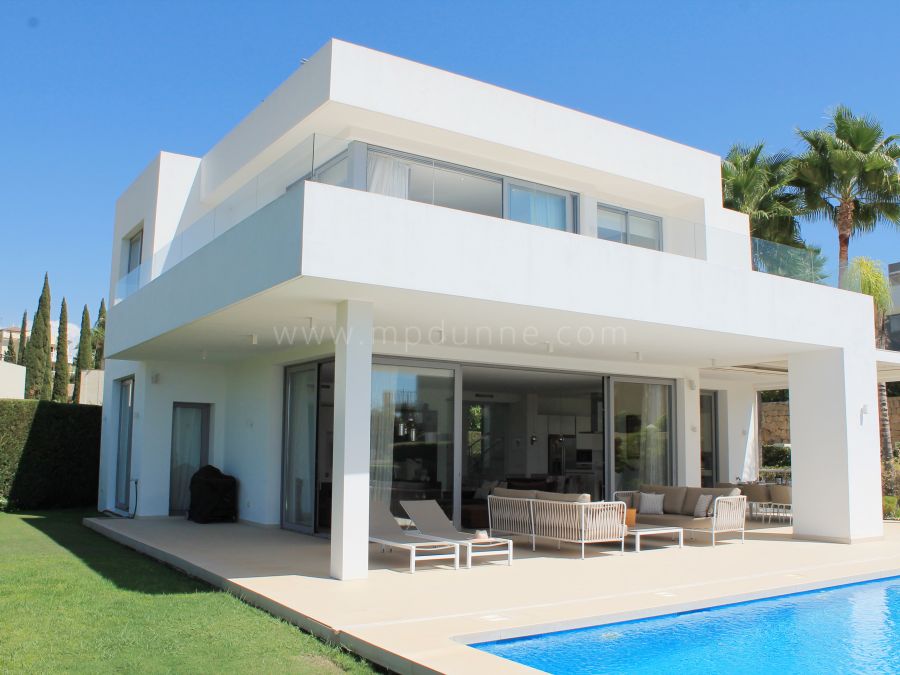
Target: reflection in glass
707,439
642,434
412,435
538,207
611,225
300,449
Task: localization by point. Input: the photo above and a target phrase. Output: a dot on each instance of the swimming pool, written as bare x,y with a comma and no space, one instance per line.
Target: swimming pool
844,629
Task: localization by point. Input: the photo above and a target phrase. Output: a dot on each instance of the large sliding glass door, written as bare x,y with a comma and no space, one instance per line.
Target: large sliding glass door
125,389
190,451
708,438
414,434
643,449
299,470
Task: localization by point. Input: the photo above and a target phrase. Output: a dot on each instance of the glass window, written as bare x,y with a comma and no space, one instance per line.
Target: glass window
387,175
299,473
611,225
430,182
123,443
540,207
335,172
468,191
190,451
412,435
642,439
135,246
643,231
628,227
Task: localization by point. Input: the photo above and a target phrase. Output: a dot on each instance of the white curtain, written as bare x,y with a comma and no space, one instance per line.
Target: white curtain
388,176
382,461
187,440
538,208
654,446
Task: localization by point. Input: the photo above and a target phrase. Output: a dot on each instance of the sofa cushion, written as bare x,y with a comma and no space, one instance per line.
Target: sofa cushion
704,504
562,496
756,493
693,493
508,492
780,494
674,520
674,496
652,503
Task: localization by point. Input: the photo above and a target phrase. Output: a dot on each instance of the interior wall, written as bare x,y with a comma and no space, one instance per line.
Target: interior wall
163,385
738,426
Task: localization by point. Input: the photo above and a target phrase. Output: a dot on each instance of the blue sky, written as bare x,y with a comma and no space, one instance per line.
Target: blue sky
92,90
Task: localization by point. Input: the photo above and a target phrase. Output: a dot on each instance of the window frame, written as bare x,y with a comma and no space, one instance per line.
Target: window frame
129,247
628,213
572,224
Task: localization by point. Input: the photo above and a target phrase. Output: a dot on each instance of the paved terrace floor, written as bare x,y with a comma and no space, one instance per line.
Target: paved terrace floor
419,623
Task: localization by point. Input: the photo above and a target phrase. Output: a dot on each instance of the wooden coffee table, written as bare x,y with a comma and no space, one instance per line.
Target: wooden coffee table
638,531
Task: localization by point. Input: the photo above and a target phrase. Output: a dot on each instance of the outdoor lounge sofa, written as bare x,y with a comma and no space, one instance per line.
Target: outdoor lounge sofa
432,523
384,530
559,517
727,511
767,500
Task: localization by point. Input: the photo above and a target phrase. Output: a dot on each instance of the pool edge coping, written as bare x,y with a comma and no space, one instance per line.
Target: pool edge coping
516,632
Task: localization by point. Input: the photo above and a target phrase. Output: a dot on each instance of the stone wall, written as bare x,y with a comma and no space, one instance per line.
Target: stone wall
775,422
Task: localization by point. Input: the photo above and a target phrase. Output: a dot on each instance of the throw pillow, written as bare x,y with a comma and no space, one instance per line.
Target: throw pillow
651,503
704,502
485,489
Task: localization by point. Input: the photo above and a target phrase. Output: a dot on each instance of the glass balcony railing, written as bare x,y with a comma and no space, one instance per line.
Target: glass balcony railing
317,154
804,264
127,284
352,164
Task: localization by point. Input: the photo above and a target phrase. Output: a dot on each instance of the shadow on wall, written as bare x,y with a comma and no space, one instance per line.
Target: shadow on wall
49,454
127,569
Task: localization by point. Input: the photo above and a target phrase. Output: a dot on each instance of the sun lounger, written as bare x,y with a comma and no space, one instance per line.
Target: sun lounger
432,523
384,530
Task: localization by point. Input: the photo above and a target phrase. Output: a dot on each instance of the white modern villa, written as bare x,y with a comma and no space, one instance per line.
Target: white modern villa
397,283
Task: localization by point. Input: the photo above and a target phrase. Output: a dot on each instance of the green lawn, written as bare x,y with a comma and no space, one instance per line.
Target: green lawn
74,601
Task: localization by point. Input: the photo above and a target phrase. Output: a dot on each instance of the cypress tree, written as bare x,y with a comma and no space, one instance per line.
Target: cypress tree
23,339
38,382
61,370
10,355
99,336
84,359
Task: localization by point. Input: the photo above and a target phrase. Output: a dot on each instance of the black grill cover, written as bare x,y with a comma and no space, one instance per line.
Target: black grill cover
213,496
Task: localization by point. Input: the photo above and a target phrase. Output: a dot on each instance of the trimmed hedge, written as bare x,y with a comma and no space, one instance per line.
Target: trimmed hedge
49,454
776,455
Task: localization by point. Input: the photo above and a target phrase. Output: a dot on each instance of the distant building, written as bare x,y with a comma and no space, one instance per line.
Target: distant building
12,332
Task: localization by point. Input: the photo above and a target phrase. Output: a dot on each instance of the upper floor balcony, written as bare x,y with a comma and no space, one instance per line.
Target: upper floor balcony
668,227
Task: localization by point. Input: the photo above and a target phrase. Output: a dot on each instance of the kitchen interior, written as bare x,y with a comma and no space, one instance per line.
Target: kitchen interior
531,427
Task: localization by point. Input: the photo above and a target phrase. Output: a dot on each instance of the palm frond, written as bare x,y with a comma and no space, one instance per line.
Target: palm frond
867,276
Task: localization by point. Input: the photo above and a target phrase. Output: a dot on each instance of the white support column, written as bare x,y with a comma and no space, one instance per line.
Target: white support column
738,437
687,428
834,445
352,410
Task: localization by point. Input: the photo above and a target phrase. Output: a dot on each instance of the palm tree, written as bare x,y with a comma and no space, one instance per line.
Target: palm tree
865,275
848,173
757,183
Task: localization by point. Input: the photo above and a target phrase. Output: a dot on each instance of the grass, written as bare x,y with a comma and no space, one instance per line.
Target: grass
73,601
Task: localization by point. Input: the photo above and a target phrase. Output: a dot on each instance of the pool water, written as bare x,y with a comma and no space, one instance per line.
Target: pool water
845,629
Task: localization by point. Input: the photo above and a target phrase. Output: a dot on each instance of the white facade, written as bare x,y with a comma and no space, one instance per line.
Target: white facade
308,220
12,380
